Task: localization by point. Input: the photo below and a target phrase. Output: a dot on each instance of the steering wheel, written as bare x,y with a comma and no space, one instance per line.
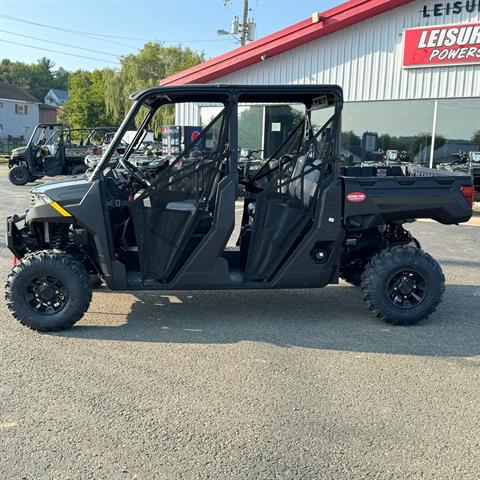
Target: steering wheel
135,172
39,152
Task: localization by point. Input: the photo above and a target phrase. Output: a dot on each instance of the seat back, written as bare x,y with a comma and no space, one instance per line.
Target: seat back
303,186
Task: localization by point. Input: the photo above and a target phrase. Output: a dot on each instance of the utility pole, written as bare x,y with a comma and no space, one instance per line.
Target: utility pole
246,30
243,36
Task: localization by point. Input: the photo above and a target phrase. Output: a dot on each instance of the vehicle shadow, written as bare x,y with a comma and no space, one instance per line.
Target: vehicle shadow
333,318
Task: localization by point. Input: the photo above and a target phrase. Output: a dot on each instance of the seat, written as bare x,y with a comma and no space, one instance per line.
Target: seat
183,206
302,188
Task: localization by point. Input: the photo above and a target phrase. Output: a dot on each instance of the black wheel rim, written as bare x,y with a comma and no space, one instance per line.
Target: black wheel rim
18,175
46,295
406,289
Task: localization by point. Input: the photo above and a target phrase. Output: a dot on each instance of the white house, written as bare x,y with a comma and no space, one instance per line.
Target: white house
19,112
56,97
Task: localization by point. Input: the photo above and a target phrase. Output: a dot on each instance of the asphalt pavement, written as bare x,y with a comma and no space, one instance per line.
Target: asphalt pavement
301,384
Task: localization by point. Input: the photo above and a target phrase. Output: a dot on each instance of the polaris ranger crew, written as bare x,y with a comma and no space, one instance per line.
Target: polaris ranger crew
305,221
53,149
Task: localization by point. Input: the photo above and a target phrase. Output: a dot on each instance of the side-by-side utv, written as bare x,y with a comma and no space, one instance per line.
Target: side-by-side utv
53,149
305,221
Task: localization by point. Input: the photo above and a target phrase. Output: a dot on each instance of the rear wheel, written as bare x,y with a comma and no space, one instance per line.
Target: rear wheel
48,291
353,273
19,175
402,285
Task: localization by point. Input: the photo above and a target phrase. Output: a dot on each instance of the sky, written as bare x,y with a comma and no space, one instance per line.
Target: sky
121,27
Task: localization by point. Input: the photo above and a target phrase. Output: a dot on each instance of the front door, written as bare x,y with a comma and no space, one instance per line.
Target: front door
174,215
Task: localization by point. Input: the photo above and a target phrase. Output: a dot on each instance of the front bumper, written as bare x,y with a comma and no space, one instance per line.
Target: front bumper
14,238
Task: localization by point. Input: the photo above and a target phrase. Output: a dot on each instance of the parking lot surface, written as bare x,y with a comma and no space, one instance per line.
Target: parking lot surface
301,384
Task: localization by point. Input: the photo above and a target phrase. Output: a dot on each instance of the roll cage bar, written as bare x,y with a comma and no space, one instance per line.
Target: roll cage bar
62,127
153,98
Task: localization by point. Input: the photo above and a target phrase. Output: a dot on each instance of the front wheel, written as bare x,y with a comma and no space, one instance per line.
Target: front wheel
48,291
402,285
19,175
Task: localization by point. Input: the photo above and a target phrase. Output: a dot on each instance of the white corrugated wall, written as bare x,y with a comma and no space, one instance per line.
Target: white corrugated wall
187,114
366,60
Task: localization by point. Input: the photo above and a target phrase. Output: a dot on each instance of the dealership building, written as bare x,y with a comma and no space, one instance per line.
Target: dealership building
410,72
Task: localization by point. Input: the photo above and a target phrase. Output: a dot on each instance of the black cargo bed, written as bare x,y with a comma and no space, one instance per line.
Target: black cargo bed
402,193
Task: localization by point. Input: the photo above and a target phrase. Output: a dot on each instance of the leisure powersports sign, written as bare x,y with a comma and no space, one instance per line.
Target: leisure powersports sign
442,45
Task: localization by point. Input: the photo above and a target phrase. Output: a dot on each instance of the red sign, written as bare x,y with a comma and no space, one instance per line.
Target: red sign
195,134
356,197
442,45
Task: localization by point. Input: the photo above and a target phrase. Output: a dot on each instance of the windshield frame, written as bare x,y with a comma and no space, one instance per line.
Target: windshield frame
58,129
152,107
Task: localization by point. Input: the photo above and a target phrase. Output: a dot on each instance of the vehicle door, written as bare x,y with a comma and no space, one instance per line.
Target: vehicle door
290,193
178,210
49,157
75,146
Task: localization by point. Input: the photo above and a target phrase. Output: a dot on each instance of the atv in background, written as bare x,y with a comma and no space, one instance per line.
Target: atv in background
53,149
467,163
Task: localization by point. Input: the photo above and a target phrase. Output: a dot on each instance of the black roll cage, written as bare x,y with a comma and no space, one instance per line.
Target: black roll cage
153,98
56,127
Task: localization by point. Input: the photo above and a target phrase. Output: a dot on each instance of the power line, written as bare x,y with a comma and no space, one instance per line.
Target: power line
76,32
96,35
59,43
58,51
72,30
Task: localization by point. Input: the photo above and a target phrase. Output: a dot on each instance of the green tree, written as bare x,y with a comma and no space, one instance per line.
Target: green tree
37,78
351,142
143,70
86,106
476,137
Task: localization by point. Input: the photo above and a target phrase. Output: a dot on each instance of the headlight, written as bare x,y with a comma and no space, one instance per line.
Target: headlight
41,199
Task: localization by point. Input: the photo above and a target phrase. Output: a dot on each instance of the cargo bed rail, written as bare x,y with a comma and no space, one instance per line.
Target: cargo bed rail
417,171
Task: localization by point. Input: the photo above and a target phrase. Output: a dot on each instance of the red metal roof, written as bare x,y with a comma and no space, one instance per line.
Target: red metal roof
337,18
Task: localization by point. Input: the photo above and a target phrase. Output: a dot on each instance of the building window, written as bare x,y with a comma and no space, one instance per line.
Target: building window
250,127
377,131
21,109
457,129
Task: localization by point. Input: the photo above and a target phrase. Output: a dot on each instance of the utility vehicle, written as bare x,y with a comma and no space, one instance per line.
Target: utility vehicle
305,222
53,149
468,164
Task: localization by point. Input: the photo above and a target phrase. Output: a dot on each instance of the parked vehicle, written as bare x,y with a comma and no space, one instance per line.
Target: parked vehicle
249,162
304,223
467,163
474,160
53,149
392,156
